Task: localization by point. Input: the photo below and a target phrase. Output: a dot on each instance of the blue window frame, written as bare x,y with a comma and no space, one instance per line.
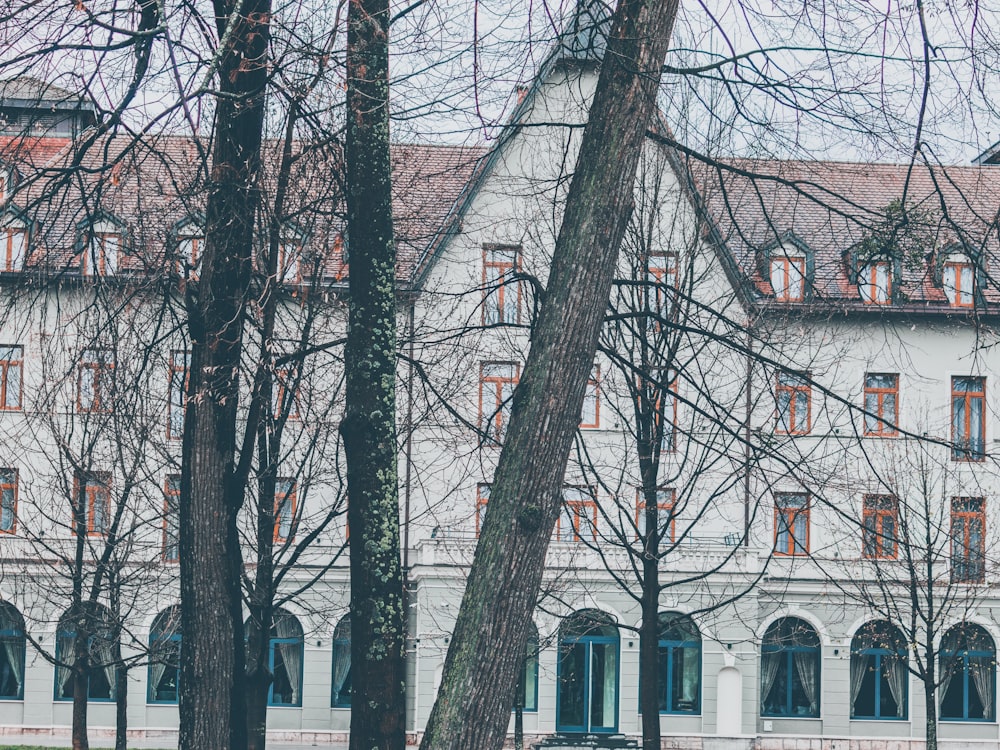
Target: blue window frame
679,665
164,673
968,675
12,653
341,693
879,687
790,670
101,677
587,683
285,652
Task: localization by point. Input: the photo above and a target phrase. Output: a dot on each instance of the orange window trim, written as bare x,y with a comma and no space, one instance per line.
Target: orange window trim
281,498
886,426
579,509
6,365
503,270
496,384
789,516
175,370
9,234
785,265
668,506
102,369
959,291
594,386
792,421
884,546
92,490
967,397
482,499
171,501
12,486
967,519
872,296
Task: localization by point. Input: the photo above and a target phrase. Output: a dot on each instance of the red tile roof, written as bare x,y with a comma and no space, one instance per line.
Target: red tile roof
829,207
156,183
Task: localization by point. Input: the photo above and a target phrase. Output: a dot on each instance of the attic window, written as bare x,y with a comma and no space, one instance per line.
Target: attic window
788,277
190,245
6,184
959,281
13,245
102,250
875,282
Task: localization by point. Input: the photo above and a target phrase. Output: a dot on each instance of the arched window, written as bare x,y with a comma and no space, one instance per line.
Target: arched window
342,663
790,669
285,660
12,652
679,664
879,677
527,691
96,621
968,674
588,673
164,656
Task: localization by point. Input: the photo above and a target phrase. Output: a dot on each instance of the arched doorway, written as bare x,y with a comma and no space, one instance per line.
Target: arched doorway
588,673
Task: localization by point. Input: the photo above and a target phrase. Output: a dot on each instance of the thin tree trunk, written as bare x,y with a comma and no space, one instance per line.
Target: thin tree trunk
213,703
930,697
649,640
378,707
121,702
472,709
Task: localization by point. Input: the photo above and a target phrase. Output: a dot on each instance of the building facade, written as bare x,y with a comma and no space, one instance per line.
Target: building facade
798,380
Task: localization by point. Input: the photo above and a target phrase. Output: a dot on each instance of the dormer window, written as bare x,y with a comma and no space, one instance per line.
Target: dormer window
959,281
875,282
190,246
289,257
6,184
13,246
788,277
102,249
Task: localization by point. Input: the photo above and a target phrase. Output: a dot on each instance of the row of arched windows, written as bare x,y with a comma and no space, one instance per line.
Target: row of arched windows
587,669
285,653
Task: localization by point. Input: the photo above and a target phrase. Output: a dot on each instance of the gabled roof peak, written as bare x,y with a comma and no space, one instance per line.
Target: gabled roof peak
585,36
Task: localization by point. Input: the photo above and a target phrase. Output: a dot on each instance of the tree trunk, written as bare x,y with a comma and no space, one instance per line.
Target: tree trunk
213,703
472,709
258,677
121,702
930,698
369,425
649,635
81,690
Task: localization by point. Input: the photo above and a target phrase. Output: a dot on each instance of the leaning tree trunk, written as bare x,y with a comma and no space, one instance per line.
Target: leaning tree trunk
212,702
472,709
369,425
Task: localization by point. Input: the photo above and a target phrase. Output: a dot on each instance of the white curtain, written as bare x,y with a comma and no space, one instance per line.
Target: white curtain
948,671
610,676
769,664
805,665
291,653
859,666
14,648
897,677
981,671
102,649
67,649
341,669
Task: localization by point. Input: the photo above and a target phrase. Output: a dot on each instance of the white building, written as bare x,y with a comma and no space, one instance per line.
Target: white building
825,443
